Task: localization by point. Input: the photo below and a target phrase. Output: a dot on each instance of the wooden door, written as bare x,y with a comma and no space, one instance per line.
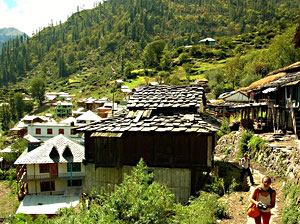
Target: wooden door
53,168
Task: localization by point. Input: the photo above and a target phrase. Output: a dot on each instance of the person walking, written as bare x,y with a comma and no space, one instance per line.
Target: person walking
264,198
245,163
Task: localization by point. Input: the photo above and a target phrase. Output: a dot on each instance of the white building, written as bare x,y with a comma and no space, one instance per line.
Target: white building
45,131
51,173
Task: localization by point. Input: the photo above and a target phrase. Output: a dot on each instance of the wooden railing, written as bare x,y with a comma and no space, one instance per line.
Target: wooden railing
47,176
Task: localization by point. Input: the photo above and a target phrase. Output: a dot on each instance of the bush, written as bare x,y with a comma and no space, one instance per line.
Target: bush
291,213
224,129
202,210
243,146
255,144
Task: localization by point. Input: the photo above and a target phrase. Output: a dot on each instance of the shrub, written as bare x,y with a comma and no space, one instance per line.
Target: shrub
243,145
291,213
224,129
202,210
255,144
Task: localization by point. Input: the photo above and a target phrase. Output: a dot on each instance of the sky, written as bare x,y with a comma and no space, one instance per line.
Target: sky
29,16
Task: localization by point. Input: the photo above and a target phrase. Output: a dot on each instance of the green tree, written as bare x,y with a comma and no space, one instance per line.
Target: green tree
153,53
5,117
38,89
282,51
19,104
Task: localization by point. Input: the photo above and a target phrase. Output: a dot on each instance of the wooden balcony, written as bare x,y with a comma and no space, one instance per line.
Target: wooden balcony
60,176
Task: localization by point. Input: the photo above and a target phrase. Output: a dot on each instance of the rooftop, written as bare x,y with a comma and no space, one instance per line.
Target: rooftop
58,145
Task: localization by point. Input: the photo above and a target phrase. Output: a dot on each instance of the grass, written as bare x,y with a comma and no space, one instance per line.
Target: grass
8,200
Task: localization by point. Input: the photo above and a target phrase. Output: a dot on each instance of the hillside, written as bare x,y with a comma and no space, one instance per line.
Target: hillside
80,53
7,34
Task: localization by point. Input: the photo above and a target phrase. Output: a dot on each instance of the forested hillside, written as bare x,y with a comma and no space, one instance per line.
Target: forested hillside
8,33
115,34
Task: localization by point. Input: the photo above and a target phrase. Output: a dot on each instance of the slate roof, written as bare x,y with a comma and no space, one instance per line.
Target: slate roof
42,153
141,120
284,76
163,96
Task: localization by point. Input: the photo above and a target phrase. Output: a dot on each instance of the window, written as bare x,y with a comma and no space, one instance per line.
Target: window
47,186
61,131
38,131
76,167
75,183
49,131
44,168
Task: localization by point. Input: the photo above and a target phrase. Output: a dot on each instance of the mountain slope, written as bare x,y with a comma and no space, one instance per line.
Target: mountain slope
113,35
7,34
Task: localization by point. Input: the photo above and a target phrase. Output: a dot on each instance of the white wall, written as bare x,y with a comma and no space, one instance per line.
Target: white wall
60,185
55,129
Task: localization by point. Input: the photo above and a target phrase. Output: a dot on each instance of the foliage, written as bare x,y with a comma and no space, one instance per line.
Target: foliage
255,144
18,148
224,129
224,179
137,200
202,210
291,212
37,89
5,117
243,144
153,53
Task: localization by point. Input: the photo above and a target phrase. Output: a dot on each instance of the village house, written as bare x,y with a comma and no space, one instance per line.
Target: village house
62,109
20,129
224,105
274,101
208,42
51,176
92,103
87,118
165,126
45,131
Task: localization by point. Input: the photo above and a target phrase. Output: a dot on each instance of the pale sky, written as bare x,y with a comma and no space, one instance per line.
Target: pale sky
30,15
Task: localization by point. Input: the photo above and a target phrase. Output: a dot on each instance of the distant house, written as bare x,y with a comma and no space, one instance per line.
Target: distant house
92,103
21,128
45,131
234,96
208,42
51,176
62,109
164,126
87,118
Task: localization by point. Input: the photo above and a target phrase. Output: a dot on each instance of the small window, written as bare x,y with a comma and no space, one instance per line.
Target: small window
49,131
61,131
38,131
72,132
44,168
76,167
47,186
75,183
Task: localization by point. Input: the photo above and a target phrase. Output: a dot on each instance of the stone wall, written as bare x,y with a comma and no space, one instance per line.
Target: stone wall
280,155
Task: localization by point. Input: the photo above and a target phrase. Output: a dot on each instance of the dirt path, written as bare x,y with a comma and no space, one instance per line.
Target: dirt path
237,202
